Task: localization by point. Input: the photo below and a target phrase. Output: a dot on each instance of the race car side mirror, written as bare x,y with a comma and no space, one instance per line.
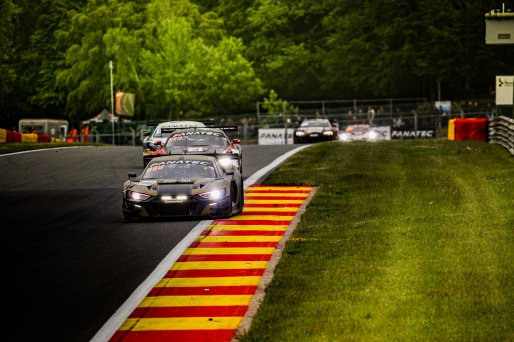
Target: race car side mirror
229,172
146,133
236,141
131,175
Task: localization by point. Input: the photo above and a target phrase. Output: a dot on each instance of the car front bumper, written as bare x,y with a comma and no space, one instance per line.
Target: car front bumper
192,207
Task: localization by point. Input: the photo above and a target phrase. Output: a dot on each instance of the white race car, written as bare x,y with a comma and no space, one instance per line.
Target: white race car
359,132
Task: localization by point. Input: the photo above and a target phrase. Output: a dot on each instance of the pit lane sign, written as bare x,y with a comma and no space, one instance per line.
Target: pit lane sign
504,90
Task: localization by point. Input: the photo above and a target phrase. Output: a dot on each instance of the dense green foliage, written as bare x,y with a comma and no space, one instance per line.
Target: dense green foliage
188,58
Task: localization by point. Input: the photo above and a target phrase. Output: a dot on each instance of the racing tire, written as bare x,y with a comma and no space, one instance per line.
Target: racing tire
239,205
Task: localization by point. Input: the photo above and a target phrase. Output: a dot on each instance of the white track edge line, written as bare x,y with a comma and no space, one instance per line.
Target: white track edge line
39,150
117,319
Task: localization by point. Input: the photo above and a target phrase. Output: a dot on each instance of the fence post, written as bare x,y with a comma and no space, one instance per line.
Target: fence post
133,133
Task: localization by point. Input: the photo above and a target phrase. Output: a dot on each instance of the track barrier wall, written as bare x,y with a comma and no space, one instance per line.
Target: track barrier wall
8,136
28,137
471,129
451,129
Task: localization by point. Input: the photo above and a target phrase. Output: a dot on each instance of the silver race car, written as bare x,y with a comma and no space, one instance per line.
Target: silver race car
160,133
183,186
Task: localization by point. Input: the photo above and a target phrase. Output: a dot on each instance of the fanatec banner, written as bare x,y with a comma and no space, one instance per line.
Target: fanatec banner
275,136
412,134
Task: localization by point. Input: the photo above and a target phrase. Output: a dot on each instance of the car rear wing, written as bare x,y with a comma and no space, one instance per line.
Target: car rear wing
227,128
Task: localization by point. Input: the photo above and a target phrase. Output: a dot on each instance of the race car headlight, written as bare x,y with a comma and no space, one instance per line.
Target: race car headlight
328,133
373,135
213,195
300,134
344,137
138,196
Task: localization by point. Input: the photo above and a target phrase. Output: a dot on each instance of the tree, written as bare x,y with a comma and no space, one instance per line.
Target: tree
190,66
283,39
101,32
8,15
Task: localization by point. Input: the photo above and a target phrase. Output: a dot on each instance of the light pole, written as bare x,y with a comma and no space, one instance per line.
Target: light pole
112,103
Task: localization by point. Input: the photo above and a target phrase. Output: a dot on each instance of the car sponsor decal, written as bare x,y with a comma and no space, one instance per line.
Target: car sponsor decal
180,162
206,294
197,149
175,181
185,134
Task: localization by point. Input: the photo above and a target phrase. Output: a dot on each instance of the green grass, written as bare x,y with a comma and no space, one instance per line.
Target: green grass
19,147
404,241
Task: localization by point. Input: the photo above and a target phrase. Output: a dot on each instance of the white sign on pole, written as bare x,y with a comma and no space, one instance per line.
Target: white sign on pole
504,90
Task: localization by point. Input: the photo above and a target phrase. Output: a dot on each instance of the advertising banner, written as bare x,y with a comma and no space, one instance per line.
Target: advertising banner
275,136
384,132
504,90
412,134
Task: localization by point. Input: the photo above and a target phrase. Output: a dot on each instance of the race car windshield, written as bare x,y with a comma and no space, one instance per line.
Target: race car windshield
197,140
179,171
315,124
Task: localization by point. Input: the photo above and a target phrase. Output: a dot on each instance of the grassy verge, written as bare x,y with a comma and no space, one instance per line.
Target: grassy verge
19,147
404,241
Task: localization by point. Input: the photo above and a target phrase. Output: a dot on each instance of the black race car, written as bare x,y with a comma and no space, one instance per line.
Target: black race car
314,130
204,141
183,185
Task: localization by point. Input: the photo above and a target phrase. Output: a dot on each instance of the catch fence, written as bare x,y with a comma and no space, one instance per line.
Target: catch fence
409,113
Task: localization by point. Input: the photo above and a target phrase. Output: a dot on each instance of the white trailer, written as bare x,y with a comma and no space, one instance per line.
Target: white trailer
52,127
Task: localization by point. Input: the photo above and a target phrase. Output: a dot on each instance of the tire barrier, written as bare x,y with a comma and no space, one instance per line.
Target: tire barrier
8,136
501,132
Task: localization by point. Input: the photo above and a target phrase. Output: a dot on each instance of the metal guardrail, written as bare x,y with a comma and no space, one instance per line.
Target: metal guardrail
501,132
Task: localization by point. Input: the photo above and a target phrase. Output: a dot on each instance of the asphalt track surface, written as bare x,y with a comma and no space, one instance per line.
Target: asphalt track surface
71,260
